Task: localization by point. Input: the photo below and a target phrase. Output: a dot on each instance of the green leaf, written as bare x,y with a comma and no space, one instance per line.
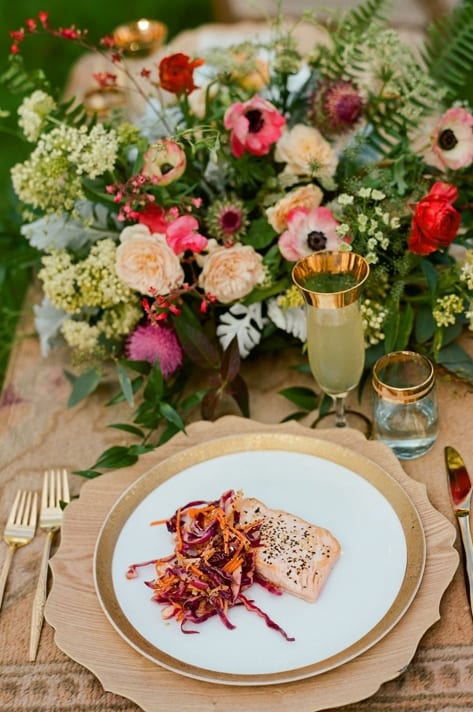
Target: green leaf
168,433
143,367
193,400
84,385
406,323
171,415
260,234
132,429
455,359
119,397
125,383
391,326
90,474
430,274
301,396
424,324
115,457
298,415
154,388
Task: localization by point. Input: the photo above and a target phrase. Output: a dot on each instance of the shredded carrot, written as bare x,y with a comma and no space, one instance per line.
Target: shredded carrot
213,562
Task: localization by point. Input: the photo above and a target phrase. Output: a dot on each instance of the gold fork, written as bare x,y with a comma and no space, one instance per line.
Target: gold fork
19,529
55,491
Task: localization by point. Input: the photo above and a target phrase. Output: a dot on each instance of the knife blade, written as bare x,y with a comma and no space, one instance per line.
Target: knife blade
461,492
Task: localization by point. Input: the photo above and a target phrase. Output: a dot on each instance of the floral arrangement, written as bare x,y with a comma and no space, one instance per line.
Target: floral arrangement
166,239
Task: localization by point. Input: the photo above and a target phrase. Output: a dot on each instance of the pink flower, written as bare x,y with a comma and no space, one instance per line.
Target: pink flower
181,235
155,343
453,139
309,231
255,126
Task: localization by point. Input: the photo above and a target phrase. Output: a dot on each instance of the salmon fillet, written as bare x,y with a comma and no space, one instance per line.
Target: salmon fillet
295,556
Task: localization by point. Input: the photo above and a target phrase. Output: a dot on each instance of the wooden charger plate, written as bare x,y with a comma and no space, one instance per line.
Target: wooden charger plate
83,632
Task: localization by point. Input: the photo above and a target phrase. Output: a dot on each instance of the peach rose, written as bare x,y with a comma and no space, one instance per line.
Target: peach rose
306,153
307,196
146,263
230,273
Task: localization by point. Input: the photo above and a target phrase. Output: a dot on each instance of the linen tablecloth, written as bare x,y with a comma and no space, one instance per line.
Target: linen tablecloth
38,431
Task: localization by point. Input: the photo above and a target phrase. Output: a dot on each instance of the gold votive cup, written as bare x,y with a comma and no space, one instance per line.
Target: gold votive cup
141,37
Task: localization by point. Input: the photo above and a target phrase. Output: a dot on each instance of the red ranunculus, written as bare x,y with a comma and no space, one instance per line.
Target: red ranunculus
176,73
435,222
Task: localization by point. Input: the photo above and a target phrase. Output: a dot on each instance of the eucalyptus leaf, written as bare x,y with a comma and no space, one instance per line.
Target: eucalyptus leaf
84,385
125,384
456,360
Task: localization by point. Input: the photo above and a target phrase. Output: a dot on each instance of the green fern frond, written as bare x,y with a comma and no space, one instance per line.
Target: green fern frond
448,51
18,81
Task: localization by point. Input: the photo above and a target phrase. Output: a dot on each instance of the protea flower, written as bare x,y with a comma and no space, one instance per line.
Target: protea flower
337,106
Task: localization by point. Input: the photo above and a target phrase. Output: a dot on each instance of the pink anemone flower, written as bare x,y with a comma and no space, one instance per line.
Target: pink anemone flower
309,230
255,126
453,139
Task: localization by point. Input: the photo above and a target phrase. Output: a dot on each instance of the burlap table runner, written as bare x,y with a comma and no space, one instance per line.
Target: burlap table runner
38,431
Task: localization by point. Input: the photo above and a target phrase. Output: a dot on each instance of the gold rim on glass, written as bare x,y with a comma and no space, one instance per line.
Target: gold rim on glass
141,37
332,263
397,393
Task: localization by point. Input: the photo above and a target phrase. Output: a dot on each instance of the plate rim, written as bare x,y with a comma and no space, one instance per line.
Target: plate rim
152,478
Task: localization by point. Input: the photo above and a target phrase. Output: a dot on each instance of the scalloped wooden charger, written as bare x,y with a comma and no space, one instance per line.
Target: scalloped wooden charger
84,633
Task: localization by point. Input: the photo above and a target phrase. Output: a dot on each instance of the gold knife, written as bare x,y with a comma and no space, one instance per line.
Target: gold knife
461,492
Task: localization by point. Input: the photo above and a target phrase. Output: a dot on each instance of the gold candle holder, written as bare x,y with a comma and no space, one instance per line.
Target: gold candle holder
140,38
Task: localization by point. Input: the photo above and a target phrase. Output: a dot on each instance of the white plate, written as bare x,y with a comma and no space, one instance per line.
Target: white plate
368,591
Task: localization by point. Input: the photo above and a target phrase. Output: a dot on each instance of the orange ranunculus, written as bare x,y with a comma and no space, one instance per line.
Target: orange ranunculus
176,73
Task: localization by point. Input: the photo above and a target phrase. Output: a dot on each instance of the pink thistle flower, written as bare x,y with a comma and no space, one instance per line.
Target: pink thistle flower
309,231
255,126
453,139
182,235
155,343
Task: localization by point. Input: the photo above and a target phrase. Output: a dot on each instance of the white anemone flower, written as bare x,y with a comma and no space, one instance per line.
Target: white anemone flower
246,323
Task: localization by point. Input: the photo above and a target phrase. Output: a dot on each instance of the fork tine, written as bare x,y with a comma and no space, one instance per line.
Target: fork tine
66,497
33,518
25,511
14,509
44,492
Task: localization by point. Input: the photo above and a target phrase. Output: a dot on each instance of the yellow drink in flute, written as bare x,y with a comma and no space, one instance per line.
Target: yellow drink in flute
336,347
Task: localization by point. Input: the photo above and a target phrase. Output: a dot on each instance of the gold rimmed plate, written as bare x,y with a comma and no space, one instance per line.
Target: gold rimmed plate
368,591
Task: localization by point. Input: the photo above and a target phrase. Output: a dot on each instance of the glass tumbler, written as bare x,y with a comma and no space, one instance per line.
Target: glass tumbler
405,411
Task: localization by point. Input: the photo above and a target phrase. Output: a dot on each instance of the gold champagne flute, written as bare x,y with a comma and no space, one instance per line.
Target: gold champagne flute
331,283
